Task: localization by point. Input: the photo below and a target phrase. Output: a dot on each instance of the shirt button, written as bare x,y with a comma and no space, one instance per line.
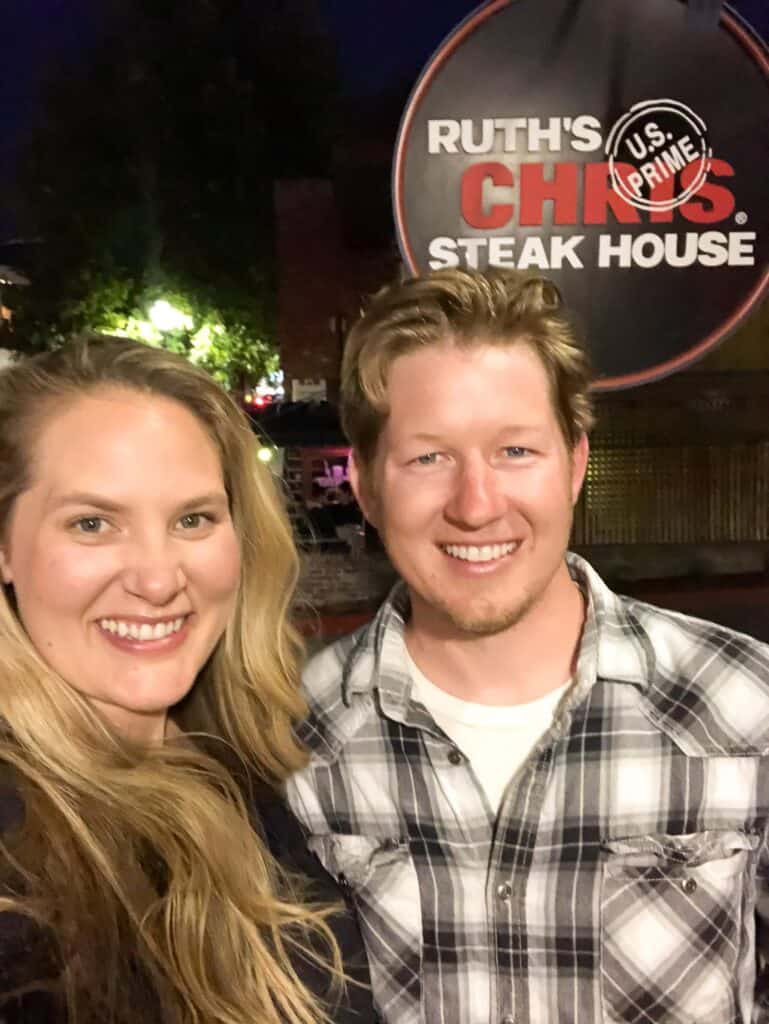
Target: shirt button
508,1019
504,891
689,886
455,756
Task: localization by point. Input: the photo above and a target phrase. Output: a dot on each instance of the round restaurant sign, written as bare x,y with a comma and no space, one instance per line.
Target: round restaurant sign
618,148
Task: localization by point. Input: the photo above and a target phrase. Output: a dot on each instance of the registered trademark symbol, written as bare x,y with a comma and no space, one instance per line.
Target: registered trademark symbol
741,217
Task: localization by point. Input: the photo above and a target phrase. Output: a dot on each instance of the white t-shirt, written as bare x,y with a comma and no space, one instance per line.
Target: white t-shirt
497,740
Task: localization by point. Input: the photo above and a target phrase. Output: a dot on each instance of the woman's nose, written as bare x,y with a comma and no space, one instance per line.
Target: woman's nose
154,573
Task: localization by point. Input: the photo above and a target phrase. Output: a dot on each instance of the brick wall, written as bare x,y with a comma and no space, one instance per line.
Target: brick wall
322,278
337,583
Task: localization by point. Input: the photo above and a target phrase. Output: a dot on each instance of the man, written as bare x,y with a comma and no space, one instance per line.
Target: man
548,802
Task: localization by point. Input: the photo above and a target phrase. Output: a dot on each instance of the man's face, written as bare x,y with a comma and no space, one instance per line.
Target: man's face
473,485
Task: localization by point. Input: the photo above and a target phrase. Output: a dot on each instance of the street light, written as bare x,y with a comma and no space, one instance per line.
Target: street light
166,317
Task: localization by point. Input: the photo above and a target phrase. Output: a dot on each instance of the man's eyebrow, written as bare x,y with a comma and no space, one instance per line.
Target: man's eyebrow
510,428
428,438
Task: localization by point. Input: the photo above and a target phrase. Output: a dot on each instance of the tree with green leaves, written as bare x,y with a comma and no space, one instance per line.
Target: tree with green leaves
148,174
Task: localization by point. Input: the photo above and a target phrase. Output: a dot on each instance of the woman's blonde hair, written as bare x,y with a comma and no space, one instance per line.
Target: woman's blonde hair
464,308
143,866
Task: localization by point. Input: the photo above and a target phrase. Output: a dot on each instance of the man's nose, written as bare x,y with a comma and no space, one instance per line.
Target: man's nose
154,571
477,497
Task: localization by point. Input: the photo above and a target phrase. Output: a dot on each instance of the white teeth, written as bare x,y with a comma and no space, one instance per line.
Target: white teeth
143,631
479,553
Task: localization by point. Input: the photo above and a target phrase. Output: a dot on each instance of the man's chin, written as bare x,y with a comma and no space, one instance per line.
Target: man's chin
487,621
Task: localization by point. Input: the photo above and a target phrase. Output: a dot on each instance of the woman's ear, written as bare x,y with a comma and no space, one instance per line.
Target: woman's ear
5,566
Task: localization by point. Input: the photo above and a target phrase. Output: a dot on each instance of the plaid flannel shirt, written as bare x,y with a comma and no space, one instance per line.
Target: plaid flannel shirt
626,877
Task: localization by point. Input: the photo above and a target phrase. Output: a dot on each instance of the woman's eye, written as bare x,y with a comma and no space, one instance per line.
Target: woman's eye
515,451
194,520
429,459
89,524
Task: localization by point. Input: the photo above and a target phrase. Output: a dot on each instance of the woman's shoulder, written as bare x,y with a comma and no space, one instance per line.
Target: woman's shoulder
30,990
28,974
28,961
11,802
287,842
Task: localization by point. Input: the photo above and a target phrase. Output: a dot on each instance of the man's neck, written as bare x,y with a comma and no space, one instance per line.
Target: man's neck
520,664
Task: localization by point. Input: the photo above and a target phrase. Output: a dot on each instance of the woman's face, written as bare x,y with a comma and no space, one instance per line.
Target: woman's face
122,553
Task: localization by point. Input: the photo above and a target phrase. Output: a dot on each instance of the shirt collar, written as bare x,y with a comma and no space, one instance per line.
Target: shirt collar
613,645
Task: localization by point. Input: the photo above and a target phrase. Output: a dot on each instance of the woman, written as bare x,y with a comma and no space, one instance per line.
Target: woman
148,690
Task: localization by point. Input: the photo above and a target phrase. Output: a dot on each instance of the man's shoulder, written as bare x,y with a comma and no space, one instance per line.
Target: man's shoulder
336,682
705,682
683,641
326,671
666,640
355,662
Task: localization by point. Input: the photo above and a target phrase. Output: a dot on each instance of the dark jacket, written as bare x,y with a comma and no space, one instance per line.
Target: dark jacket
28,992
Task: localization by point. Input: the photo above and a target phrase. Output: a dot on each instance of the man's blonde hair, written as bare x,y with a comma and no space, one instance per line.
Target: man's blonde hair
464,308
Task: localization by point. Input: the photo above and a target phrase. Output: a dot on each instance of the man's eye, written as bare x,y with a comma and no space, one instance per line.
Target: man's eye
429,459
89,524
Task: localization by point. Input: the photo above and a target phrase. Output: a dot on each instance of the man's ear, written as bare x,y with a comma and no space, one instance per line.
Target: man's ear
579,456
360,481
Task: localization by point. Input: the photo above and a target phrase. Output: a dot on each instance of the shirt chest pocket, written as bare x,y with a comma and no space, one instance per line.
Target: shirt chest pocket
672,914
380,876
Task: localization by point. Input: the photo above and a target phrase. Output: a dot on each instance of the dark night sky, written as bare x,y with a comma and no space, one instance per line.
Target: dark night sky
34,33
384,40
380,40
379,43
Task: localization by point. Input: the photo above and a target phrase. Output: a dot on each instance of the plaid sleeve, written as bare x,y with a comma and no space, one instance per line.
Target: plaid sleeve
761,1004
305,803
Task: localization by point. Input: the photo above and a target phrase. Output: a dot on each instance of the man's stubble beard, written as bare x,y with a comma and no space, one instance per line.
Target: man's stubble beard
488,623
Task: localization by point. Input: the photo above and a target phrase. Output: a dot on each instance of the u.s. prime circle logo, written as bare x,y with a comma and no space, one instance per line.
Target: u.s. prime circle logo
618,148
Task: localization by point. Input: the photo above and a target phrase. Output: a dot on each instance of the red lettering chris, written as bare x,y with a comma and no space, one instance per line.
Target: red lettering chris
473,213
711,204
561,188
600,197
